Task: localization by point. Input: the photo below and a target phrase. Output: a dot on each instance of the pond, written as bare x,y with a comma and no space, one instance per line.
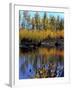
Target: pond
42,62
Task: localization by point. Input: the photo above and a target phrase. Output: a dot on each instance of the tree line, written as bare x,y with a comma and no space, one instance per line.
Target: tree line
41,23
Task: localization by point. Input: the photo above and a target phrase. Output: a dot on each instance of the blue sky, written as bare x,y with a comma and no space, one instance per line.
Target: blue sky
41,14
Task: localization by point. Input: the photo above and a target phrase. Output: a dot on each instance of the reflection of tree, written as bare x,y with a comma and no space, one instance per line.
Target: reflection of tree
38,64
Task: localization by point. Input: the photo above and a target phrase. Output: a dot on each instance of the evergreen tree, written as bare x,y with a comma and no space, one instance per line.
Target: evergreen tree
45,22
58,23
61,24
37,20
33,23
52,23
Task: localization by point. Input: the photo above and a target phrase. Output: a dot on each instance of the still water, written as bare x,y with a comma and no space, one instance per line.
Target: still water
41,63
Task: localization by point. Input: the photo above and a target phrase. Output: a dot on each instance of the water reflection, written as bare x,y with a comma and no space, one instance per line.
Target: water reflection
41,63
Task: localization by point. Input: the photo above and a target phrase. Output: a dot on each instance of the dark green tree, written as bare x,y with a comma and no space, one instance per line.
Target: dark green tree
58,23
45,21
37,20
33,23
52,23
61,24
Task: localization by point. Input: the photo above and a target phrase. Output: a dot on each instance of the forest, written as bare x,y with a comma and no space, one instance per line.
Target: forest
36,29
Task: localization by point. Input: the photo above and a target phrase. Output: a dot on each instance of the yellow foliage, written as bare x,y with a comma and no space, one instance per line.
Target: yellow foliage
39,35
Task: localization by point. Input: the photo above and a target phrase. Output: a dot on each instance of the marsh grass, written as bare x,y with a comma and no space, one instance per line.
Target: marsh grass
40,35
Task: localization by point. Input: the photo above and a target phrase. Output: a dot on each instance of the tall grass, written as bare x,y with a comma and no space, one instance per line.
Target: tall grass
37,35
